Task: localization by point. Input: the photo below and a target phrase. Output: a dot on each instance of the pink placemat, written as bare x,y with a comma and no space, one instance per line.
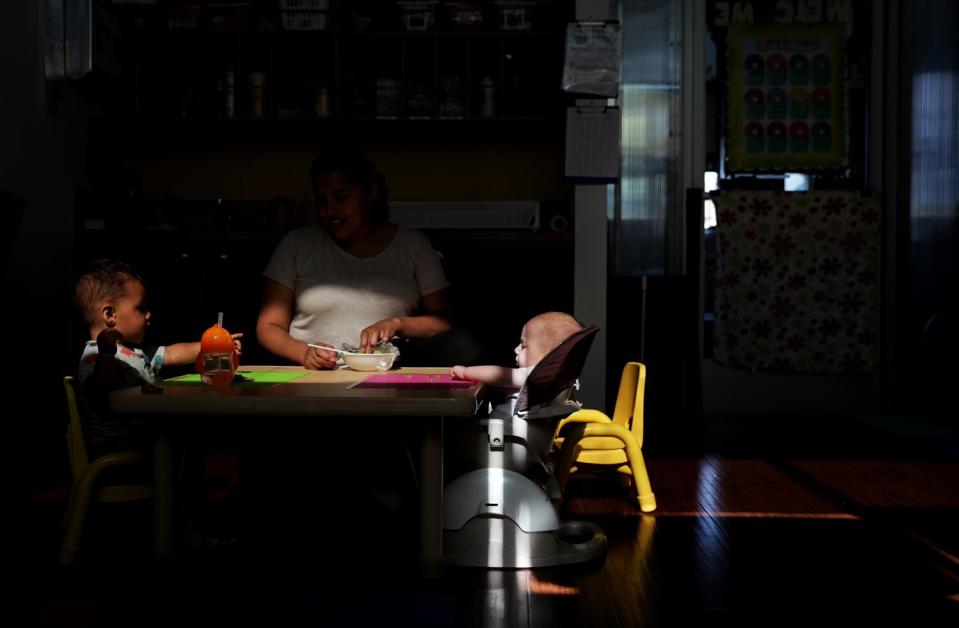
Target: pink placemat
415,380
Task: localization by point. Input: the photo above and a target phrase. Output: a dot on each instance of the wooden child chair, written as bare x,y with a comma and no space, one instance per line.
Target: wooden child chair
86,481
590,439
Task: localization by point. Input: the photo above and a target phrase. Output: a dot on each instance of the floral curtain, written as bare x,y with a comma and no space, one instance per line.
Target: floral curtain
796,284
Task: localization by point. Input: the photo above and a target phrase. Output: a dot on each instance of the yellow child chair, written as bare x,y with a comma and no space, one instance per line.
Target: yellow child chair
85,476
590,439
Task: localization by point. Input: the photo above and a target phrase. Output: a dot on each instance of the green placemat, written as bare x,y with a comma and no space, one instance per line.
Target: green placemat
259,378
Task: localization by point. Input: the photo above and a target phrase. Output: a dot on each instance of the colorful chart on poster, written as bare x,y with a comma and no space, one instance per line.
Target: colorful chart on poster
786,102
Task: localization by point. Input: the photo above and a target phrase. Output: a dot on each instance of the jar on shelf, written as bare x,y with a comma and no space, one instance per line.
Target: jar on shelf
419,101
387,98
452,97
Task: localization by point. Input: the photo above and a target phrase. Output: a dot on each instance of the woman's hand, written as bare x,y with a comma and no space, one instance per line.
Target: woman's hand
378,332
318,359
237,345
458,372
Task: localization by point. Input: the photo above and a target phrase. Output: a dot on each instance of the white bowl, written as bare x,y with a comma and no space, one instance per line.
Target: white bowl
368,361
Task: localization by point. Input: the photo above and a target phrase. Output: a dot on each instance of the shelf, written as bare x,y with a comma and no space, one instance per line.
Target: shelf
364,74
219,131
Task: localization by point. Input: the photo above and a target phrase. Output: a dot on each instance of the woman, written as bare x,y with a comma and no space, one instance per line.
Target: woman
354,278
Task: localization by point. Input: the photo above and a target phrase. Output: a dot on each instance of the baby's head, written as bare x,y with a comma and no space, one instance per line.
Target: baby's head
110,294
542,334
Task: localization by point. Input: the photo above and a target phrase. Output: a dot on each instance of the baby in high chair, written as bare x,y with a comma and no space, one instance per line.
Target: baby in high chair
541,334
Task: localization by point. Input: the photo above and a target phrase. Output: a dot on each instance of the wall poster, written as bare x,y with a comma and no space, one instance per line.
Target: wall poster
786,98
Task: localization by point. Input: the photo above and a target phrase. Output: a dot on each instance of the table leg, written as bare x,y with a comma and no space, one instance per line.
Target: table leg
431,496
163,493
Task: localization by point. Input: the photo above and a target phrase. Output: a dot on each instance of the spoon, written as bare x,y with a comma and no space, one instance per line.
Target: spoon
333,349
349,350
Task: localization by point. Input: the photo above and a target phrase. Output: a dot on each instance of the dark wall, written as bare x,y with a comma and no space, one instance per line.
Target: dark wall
42,159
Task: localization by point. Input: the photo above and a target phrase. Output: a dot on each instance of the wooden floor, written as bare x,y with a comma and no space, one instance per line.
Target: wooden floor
815,522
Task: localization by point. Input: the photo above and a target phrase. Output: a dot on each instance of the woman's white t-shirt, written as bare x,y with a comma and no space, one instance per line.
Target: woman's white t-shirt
337,294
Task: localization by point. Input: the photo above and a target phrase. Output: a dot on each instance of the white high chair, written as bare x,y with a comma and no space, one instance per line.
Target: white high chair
501,512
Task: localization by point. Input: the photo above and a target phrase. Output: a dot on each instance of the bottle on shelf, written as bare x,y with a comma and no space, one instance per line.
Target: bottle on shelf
487,103
322,106
228,90
257,93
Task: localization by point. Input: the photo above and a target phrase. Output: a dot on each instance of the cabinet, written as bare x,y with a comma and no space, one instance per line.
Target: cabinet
237,61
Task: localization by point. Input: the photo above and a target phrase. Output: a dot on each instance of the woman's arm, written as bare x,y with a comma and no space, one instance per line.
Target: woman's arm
433,318
273,329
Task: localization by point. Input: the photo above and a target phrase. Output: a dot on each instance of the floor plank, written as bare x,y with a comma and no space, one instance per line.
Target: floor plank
887,483
713,486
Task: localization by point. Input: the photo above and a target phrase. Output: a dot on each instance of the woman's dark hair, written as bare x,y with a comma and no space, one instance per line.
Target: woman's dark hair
353,164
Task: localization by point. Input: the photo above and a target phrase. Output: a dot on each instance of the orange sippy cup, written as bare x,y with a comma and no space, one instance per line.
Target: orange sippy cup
217,360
